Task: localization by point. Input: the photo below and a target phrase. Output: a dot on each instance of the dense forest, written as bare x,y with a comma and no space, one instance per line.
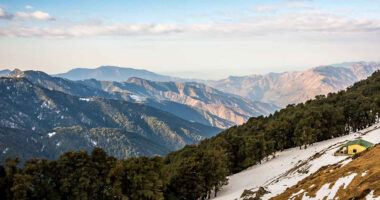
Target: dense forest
196,171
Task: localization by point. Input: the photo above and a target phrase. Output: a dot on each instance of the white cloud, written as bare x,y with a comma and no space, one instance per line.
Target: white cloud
5,15
307,21
29,7
38,15
313,21
83,30
274,7
263,9
296,5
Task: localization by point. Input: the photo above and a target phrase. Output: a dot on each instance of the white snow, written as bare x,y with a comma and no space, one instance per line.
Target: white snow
93,142
371,196
345,162
46,104
5,150
272,174
85,99
51,134
325,190
58,144
296,194
137,97
39,116
364,173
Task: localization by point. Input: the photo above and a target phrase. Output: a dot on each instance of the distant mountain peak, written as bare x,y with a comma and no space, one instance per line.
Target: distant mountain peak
16,73
4,72
114,73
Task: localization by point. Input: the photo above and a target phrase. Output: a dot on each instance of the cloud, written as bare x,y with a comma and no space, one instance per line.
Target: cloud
296,5
85,30
300,22
312,21
264,9
5,15
274,7
37,15
29,7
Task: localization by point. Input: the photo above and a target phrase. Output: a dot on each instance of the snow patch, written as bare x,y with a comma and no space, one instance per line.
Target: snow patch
364,173
345,162
5,150
137,97
46,104
93,142
325,190
85,99
51,134
371,196
296,194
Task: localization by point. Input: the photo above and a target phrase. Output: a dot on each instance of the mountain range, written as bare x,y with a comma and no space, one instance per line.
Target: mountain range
129,115
279,89
113,73
191,101
70,122
231,108
294,87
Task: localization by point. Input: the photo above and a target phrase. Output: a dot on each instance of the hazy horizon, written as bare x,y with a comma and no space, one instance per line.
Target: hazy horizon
203,75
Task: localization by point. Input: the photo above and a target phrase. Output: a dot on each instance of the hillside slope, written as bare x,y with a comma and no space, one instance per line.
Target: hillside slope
84,89
291,166
34,109
294,87
358,179
228,107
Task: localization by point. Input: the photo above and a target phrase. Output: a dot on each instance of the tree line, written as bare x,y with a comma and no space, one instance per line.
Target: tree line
196,171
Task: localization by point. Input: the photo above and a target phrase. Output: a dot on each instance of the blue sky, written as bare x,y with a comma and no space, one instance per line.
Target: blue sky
194,38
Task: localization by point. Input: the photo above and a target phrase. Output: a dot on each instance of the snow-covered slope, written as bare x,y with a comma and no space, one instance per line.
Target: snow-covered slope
291,166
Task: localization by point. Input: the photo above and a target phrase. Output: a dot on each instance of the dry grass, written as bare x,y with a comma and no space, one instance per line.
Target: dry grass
368,161
250,195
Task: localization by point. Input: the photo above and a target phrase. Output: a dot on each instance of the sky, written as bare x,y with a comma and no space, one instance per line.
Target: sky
208,39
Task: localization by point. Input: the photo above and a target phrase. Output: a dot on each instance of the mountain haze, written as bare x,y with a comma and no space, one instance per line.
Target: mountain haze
294,87
229,107
113,73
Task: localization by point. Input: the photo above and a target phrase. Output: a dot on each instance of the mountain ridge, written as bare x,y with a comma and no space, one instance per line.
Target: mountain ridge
84,89
228,107
28,107
114,73
294,87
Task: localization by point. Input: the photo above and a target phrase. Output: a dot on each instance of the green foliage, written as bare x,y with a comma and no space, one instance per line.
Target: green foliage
138,178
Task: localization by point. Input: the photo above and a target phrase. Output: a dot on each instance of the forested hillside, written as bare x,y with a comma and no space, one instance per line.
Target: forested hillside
58,122
196,171
105,89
